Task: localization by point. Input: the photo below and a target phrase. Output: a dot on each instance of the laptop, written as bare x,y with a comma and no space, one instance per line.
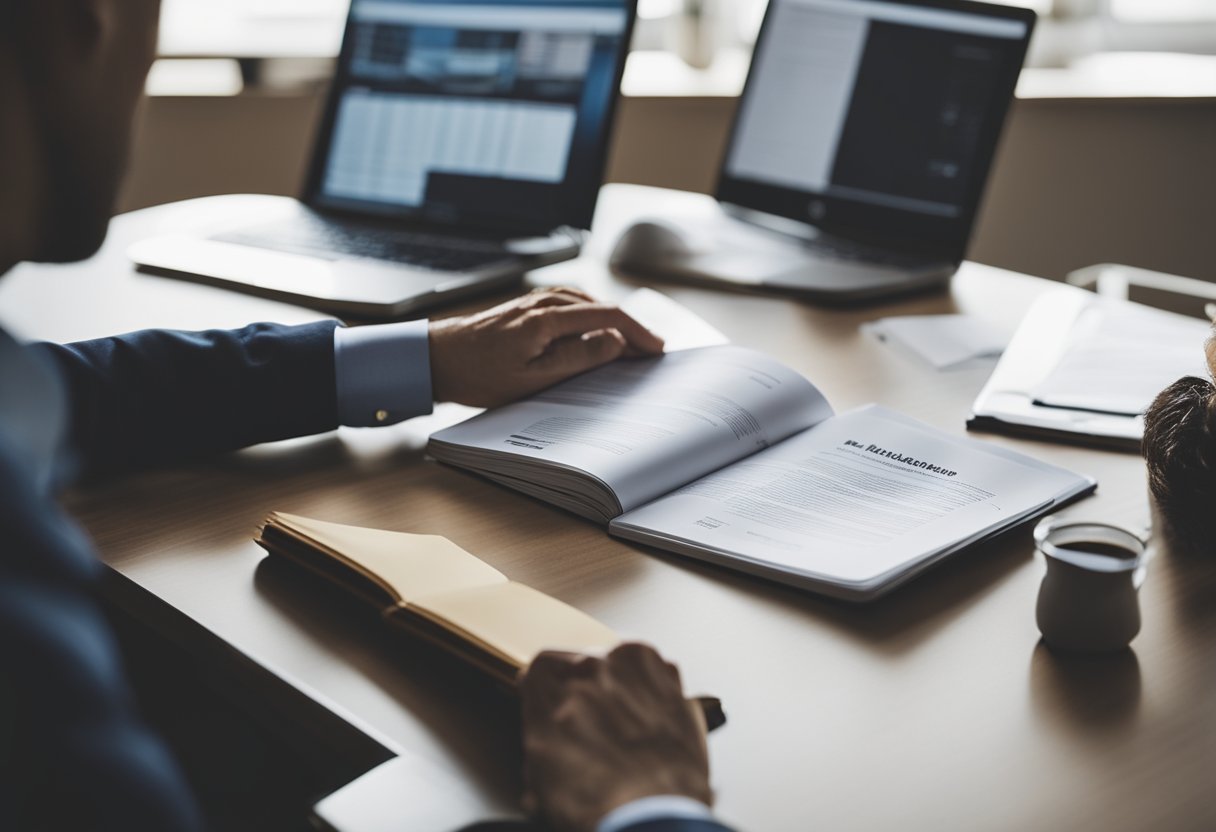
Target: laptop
859,151
463,144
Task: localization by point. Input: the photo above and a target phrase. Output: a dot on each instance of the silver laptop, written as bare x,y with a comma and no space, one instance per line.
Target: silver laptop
859,152
463,144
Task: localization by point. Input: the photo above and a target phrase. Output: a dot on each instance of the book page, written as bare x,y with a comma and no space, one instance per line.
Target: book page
853,499
516,623
649,426
407,566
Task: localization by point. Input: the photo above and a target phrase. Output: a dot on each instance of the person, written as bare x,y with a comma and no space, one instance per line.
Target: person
611,744
1179,450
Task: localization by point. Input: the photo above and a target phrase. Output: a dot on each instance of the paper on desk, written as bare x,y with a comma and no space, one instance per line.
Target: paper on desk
676,324
1120,356
945,341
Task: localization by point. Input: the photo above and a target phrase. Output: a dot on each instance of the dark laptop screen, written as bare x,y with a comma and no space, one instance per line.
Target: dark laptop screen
494,112
877,115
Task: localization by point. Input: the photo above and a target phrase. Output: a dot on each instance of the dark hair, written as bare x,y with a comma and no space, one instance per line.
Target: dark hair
1180,449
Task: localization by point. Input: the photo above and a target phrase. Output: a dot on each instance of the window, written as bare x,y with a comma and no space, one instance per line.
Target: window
697,30
1067,29
738,21
252,28
1160,26
1161,11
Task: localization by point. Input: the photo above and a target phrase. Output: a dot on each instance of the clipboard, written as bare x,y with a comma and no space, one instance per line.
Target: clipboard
1163,347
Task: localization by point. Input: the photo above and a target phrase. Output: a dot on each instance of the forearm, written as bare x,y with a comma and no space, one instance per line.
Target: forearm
156,397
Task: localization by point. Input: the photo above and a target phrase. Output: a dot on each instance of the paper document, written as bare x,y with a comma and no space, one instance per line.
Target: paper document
678,326
1083,368
1120,356
944,341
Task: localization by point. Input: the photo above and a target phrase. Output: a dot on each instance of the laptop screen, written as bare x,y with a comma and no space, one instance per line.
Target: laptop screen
876,116
486,112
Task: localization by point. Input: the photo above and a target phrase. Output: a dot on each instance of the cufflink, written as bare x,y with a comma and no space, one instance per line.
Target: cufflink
381,415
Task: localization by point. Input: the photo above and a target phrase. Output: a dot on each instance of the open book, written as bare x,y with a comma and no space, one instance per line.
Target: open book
727,455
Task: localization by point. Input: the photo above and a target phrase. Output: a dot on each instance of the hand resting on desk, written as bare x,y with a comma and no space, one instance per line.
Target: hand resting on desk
528,344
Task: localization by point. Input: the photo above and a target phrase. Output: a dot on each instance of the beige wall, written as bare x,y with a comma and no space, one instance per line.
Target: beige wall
1076,182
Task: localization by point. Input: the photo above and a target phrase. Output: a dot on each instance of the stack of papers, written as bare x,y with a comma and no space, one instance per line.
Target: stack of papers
1119,357
1084,368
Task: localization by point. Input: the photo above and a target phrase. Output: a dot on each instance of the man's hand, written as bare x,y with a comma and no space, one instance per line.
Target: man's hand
600,733
529,344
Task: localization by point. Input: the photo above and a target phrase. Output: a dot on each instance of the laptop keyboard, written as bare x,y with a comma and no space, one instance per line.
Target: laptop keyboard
324,238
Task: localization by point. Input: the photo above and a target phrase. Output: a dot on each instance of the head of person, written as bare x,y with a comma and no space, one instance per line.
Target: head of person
1180,450
71,75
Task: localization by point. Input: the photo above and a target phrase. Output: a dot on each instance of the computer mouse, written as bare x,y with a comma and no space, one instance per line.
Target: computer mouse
650,242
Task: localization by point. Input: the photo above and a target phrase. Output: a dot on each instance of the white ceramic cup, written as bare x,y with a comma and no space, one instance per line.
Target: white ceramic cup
1088,599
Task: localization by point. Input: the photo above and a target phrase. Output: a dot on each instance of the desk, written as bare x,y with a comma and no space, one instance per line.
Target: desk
933,709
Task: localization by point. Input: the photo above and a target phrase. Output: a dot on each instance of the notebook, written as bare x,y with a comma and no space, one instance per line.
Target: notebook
433,589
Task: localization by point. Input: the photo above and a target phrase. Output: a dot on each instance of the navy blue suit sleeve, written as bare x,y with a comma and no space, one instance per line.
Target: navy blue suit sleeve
73,752
156,397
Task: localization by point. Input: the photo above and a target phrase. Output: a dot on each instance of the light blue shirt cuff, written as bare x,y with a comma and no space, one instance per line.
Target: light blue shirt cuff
659,807
383,373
